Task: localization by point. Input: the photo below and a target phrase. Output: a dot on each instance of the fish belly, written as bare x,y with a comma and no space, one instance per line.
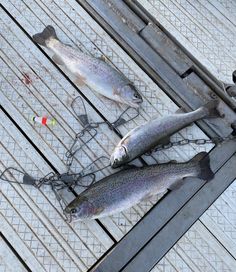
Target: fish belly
101,83
120,195
123,204
93,72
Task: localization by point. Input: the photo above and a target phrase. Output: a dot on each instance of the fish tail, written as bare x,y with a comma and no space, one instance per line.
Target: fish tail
48,33
204,169
210,108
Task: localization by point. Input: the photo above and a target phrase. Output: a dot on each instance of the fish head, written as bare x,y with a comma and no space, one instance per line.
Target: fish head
119,156
129,95
79,209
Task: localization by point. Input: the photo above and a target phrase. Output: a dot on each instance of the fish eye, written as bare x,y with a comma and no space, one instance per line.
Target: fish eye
73,211
136,95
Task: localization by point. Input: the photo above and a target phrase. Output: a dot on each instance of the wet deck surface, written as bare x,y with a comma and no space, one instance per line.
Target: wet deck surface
31,84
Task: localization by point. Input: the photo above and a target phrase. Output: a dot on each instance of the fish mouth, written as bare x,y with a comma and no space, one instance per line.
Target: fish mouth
113,161
116,162
70,217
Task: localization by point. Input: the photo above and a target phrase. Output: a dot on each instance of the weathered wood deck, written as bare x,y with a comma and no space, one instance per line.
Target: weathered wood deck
31,219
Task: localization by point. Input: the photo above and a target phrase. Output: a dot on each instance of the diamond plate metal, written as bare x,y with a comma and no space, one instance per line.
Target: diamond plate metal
210,25
180,22
195,250
201,252
79,28
153,94
220,219
230,5
26,234
84,243
8,260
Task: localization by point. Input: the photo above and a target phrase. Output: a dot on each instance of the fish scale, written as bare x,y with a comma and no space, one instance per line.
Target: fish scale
128,187
94,72
149,135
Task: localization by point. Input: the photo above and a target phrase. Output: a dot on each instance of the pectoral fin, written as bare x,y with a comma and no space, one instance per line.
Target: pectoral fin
147,197
176,185
99,210
57,59
165,141
80,80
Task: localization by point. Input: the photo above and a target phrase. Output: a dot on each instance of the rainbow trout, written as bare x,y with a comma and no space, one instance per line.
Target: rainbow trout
157,131
128,187
89,70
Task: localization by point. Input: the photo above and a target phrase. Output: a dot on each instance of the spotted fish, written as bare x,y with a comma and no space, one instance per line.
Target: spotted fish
128,187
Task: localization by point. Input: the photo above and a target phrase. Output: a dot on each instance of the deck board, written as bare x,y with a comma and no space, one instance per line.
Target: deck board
13,237
40,210
156,102
220,219
199,251
207,30
194,31
8,260
34,215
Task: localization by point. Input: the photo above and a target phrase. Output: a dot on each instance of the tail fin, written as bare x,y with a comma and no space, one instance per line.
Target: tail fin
210,108
48,32
203,161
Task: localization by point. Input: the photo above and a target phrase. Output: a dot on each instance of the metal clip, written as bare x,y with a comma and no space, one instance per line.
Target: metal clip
121,121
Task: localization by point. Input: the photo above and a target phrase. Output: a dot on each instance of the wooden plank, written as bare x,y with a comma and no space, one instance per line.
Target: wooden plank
8,260
177,227
166,209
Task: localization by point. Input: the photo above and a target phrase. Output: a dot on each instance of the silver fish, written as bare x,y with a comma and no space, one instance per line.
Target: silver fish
128,187
89,70
144,138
